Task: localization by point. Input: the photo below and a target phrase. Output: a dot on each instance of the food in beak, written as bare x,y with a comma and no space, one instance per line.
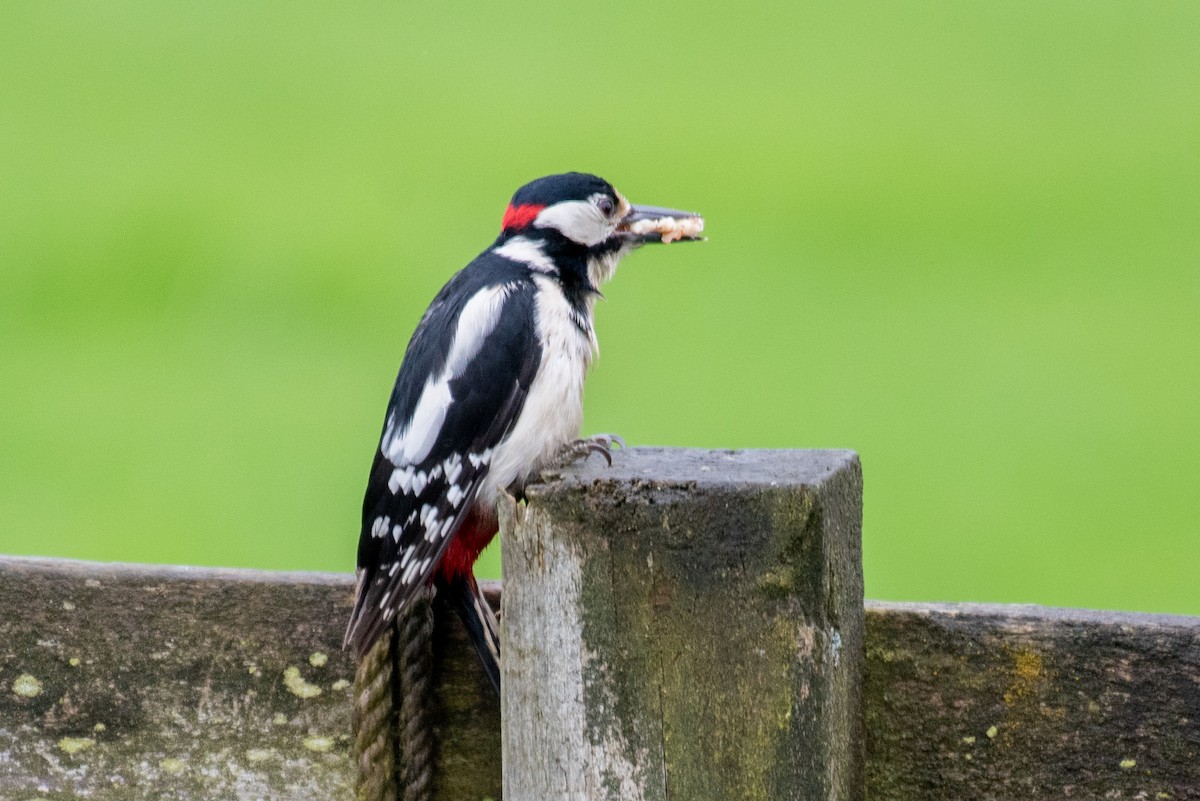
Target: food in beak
671,229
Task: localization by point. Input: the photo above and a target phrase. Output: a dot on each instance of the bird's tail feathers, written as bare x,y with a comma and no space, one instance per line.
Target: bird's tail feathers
480,622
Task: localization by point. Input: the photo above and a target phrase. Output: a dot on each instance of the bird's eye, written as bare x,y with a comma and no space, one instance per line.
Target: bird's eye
606,206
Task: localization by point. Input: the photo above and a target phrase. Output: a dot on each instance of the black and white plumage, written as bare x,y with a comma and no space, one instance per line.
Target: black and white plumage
490,390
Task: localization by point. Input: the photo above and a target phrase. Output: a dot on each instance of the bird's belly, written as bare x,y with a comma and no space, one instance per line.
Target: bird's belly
553,410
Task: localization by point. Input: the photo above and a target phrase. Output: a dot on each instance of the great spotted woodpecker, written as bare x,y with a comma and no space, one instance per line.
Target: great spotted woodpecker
489,392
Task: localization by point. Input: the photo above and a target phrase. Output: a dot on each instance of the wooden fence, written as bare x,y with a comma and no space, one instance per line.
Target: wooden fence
144,682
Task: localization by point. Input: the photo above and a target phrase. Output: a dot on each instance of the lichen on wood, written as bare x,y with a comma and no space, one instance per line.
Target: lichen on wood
1010,702
122,682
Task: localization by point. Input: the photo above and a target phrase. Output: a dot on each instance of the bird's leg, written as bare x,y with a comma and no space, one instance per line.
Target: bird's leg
582,448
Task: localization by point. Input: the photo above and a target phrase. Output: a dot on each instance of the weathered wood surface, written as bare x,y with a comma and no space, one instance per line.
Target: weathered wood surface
1079,704
1011,702
145,682
688,625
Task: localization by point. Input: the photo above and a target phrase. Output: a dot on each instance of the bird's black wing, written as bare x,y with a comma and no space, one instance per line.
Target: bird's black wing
461,387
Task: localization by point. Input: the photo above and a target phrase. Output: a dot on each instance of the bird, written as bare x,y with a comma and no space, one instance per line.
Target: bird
489,393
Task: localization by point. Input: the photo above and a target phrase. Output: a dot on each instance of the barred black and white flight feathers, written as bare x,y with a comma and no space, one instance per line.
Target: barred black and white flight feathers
461,387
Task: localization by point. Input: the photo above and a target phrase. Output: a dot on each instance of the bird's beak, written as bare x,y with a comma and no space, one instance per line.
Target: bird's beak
657,224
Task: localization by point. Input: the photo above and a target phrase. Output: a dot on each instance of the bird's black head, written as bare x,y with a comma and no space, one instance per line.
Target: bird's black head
584,209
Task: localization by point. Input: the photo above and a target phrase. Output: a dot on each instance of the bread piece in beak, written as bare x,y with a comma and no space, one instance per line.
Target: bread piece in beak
655,224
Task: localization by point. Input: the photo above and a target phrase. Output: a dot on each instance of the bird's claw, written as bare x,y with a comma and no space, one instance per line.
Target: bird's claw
605,440
582,448
587,448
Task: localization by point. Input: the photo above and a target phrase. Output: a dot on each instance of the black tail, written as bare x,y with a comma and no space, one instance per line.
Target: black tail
480,622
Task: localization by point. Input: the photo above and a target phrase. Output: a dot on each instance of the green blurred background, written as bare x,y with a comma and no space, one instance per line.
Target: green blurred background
961,238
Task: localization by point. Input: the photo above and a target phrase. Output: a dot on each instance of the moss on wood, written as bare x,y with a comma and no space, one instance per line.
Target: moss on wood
711,618
1004,702
123,682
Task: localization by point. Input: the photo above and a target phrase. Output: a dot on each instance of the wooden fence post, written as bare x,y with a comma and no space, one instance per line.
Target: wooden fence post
685,624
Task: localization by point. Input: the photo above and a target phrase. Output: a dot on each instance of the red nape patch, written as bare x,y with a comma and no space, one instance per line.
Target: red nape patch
518,217
468,542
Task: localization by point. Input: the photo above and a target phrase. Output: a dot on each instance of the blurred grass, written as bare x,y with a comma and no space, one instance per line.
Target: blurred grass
960,238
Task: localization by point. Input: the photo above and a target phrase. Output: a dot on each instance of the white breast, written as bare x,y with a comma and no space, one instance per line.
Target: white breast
553,409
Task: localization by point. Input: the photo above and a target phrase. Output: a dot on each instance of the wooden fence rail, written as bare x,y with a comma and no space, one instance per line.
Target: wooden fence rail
967,701
145,682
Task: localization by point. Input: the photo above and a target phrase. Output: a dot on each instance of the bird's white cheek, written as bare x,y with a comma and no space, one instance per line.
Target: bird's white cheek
578,220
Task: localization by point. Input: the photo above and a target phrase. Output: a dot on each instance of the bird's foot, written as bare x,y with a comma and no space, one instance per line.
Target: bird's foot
583,448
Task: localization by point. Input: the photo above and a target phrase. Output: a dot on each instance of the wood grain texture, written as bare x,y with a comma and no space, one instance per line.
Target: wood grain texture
1012,702
686,624
149,682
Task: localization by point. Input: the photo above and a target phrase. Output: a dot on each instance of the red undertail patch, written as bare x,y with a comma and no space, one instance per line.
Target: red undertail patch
468,542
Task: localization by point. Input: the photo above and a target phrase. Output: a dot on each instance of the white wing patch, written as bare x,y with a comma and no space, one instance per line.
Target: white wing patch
380,526
401,480
476,322
412,444
453,465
